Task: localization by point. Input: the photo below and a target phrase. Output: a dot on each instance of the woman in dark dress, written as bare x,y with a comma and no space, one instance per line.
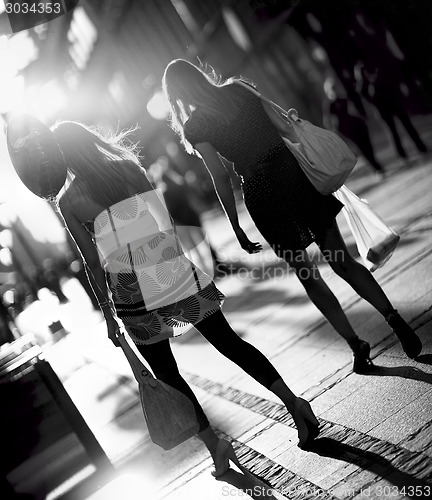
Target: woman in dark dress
224,119
143,280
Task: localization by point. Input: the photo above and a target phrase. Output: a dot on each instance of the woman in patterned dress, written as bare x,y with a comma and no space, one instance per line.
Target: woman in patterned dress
215,120
141,277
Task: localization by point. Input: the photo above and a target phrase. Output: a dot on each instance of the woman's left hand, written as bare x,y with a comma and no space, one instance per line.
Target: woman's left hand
113,331
247,245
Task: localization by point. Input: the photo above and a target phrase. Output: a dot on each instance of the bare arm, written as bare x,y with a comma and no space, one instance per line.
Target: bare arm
224,190
94,271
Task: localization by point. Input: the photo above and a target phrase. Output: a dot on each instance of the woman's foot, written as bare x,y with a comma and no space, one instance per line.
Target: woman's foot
224,453
306,423
411,344
361,354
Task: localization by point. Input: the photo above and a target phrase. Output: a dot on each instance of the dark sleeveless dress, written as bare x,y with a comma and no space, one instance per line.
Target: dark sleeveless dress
286,208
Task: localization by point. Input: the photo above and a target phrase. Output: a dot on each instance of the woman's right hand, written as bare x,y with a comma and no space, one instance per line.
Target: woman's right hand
247,245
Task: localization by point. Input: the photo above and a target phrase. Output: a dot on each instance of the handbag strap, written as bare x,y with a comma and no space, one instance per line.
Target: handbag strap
140,371
280,109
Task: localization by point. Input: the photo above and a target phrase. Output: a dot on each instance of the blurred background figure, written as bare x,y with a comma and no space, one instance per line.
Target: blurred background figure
6,321
380,79
380,87
183,205
50,278
341,115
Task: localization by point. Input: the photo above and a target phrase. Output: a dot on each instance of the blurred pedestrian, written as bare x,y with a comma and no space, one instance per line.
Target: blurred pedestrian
6,321
142,279
340,115
224,119
380,86
50,278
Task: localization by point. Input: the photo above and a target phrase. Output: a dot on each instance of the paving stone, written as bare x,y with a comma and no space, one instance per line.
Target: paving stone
422,440
335,477
405,422
375,402
229,417
338,393
100,401
353,485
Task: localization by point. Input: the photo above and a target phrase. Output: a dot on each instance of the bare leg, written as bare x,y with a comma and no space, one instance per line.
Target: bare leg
323,298
354,273
301,411
210,440
164,366
362,281
219,333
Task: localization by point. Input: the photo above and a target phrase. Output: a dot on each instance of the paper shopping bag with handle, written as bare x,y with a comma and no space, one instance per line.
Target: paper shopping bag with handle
375,240
169,414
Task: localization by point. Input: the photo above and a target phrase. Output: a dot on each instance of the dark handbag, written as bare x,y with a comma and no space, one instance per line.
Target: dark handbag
169,414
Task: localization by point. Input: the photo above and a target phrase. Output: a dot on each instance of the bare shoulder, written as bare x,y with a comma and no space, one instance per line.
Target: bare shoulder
74,204
137,180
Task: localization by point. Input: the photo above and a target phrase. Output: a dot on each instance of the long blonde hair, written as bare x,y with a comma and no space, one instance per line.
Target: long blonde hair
188,87
99,165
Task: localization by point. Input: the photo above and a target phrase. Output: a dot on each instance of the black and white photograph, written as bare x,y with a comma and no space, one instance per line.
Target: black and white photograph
215,249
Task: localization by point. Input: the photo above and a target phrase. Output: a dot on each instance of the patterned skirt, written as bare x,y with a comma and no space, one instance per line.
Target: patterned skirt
286,208
158,293
173,320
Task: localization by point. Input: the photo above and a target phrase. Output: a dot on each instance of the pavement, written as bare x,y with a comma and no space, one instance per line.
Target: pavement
376,429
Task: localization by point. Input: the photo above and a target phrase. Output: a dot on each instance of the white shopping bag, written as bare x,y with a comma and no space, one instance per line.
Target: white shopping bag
375,240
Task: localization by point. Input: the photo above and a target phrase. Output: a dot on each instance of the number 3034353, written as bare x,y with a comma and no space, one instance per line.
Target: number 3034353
33,8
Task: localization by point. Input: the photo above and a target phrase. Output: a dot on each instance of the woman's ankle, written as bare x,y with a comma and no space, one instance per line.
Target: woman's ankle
354,342
284,393
391,313
210,439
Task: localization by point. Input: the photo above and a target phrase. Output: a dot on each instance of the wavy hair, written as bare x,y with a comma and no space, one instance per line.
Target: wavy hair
99,165
188,87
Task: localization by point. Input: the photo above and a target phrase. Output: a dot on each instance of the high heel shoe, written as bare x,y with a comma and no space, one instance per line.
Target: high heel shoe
361,354
224,453
411,344
306,423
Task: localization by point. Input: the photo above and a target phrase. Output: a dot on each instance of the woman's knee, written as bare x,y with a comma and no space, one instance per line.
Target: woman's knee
161,360
307,273
345,267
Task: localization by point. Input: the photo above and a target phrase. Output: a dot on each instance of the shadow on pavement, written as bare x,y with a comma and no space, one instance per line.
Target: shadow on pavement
253,299
255,272
249,483
406,240
426,359
408,372
367,460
